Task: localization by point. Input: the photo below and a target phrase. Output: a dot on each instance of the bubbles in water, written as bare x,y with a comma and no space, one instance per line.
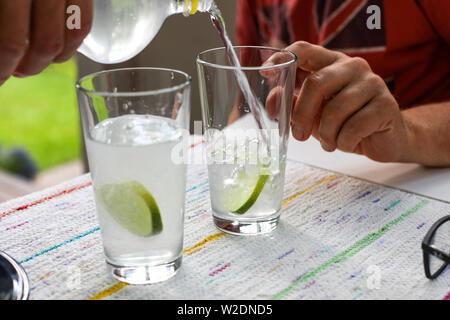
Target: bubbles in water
135,130
230,183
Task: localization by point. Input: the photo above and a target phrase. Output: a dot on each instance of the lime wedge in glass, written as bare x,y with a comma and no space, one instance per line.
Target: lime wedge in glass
132,206
240,198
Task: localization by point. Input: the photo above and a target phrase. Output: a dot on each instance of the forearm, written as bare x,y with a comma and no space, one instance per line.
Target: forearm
428,131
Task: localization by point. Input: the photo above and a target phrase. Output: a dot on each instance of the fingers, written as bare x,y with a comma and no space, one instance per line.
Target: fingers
14,34
43,25
345,105
46,36
374,118
317,89
74,37
273,102
279,58
340,108
312,57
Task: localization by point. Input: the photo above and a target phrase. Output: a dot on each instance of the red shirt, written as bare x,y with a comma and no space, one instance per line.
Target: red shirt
411,50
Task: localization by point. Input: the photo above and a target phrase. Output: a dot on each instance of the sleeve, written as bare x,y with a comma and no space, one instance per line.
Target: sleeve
246,23
438,13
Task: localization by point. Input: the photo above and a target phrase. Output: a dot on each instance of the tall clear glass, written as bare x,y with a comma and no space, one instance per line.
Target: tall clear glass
246,144
133,120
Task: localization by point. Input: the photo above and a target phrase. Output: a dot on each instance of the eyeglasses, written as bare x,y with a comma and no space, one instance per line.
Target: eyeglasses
436,248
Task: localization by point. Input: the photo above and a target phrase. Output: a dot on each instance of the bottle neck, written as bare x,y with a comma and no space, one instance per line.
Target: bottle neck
190,7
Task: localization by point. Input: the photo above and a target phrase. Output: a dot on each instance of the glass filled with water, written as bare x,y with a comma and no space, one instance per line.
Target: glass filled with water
246,106
134,120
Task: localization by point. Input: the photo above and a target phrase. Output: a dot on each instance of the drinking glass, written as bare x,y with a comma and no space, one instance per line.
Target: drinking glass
134,120
246,144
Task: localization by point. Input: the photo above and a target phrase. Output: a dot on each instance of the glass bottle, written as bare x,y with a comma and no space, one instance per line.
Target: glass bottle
123,28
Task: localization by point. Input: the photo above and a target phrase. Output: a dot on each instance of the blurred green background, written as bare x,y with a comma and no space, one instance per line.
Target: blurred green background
39,118
40,114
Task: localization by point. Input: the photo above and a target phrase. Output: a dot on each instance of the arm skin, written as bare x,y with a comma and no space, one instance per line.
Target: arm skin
429,134
345,106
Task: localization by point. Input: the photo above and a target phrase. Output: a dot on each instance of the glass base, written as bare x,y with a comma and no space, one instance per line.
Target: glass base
243,228
145,274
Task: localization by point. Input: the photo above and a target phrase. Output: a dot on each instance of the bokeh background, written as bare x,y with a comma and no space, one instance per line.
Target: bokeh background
40,133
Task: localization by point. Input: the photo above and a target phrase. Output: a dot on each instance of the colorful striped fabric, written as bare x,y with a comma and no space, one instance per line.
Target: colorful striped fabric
339,238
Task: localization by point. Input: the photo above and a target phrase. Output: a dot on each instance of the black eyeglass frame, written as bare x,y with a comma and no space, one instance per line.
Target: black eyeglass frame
430,249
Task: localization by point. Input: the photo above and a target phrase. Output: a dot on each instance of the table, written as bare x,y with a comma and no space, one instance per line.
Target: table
430,182
340,237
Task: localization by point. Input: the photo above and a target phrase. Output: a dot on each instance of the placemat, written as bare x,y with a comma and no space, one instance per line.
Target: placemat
339,238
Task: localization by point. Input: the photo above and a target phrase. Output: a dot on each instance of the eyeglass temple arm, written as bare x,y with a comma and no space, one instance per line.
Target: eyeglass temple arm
437,253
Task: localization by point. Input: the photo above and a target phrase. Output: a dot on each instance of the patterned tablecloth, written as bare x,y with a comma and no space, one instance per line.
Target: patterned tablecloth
339,238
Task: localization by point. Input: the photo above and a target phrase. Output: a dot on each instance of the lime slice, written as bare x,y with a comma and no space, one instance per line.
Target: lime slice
241,198
131,205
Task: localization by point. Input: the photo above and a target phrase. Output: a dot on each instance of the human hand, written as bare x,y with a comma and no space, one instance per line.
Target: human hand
33,34
344,105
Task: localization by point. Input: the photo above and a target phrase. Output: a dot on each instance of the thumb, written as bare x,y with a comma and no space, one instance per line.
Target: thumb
312,57
268,67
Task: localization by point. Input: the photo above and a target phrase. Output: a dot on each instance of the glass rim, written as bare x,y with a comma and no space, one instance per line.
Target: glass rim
223,67
181,86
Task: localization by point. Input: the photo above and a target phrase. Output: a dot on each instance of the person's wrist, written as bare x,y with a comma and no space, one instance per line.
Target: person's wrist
410,151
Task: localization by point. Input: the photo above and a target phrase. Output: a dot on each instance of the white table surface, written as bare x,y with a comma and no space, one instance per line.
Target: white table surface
429,182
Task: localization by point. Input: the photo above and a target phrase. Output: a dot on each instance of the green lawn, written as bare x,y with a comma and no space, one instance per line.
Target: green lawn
40,113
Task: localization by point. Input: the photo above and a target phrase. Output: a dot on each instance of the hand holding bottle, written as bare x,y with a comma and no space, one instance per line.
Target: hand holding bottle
33,34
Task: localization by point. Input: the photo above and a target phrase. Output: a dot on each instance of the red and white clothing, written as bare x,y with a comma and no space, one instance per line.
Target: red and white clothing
411,50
